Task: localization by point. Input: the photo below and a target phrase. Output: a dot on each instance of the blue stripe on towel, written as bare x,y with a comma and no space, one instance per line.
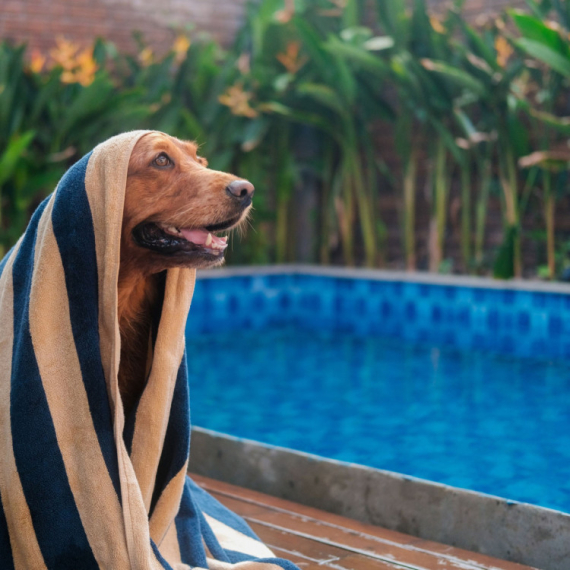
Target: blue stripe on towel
159,556
6,560
177,440
73,229
129,429
36,450
188,531
236,557
216,510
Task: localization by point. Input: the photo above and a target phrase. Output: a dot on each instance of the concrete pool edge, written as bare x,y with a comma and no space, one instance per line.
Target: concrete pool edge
388,275
473,521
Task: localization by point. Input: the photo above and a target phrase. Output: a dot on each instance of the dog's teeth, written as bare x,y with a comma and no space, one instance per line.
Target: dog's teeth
209,240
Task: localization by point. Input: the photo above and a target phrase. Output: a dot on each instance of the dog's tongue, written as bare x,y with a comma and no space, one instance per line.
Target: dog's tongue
203,237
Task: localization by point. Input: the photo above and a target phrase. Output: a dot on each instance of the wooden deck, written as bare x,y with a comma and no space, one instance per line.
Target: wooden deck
315,539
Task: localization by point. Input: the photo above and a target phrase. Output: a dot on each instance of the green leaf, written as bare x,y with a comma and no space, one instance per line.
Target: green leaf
301,117
535,8
355,54
553,59
10,157
482,45
535,29
254,133
323,94
504,265
458,76
90,100
448,138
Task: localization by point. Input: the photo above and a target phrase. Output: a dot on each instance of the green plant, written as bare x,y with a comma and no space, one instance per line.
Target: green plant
542,40
297,99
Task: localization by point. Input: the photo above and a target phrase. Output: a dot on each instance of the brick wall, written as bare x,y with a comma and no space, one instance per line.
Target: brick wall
480,9
39,22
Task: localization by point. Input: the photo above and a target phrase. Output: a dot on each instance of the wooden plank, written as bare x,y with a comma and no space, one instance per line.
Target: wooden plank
319,553
368,546
354,538
247,495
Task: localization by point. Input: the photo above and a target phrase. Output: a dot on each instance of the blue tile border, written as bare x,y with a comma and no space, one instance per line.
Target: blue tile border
511,320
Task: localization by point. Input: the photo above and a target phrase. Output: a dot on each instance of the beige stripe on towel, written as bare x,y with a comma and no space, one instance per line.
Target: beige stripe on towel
25,548
60,370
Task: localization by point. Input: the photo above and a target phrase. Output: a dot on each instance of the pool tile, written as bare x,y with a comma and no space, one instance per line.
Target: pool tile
461,316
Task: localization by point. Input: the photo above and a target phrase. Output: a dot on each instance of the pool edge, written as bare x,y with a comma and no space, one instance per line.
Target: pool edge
388,275
508,530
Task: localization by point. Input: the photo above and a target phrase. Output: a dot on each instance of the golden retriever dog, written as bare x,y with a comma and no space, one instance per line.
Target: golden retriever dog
174,205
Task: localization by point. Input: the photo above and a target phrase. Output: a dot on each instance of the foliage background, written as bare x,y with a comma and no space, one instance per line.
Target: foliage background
334,110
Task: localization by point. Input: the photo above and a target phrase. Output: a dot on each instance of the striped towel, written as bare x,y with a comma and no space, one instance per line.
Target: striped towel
80,486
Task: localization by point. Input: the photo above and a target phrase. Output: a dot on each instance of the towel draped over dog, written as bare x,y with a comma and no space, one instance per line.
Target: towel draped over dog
80,486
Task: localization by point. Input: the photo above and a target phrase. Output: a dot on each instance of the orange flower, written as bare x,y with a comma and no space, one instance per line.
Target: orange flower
290,59
86,67
63,54
504,51
78,66
146,57
437,25
37,61
238,101
180,47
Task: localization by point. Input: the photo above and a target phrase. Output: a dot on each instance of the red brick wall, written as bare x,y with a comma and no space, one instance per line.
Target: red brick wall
480,9
39,22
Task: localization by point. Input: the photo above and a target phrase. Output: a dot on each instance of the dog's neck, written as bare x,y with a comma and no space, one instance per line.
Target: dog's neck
138,295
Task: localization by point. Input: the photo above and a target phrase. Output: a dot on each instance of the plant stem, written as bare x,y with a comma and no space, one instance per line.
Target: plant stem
326,204
410,170
281,229
549,219
516,222
364,204
509,184
439,207
345,212
466,213
481,209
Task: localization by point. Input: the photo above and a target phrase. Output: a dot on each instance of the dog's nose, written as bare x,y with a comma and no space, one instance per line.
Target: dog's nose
241,189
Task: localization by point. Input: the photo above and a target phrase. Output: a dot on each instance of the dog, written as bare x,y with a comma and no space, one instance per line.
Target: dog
174,206
95,446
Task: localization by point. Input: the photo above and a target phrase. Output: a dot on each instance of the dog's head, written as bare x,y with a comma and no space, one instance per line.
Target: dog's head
174,205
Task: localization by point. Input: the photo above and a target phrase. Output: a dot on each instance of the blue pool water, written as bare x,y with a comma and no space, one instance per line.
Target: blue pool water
475,419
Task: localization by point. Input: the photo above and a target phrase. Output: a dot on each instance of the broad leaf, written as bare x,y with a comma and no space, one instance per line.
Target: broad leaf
553,59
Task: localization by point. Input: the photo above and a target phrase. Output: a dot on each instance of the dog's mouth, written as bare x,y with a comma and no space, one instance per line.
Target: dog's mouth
170,240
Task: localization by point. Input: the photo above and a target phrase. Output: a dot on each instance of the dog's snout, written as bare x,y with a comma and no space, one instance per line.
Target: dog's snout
240,189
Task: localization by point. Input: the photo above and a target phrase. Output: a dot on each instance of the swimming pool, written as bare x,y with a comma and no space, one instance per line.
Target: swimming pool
419,378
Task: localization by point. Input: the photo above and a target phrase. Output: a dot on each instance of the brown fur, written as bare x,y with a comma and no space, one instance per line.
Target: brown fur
188,195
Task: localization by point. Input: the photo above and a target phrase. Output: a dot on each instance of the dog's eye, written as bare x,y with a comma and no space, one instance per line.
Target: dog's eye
162,160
